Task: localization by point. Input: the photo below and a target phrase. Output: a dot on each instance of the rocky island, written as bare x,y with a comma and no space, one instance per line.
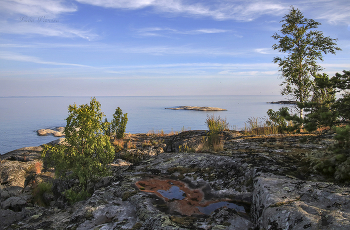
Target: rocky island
166,182
197,108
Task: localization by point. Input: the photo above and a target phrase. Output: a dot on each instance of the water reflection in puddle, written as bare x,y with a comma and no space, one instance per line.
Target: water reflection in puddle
179,198
173,193
212,207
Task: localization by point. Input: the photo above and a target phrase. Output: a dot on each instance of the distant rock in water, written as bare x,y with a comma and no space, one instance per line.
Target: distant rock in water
283,102
57,132
197,108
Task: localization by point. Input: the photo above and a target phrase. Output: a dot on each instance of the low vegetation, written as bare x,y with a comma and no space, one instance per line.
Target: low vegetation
87,150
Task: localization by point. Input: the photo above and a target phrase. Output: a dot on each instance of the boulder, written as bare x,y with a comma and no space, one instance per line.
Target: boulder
15,203
285,203
57,132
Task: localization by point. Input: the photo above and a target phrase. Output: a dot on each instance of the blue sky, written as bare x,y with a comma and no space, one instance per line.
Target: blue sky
153,47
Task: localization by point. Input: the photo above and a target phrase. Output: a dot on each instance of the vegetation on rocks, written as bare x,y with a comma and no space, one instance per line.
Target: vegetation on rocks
87,150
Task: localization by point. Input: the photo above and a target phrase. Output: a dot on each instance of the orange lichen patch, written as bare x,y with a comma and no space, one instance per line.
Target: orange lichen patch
186,205
187,202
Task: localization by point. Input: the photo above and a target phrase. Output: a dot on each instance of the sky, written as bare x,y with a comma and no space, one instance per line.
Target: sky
154,47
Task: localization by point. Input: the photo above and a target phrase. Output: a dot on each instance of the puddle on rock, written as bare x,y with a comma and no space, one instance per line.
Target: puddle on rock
173,193
213,206
181,199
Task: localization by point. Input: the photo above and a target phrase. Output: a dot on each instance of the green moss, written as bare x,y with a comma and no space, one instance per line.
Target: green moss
127,195
136,226
183,221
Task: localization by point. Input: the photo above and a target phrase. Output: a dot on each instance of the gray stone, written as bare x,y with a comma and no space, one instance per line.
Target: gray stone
284,203
15,203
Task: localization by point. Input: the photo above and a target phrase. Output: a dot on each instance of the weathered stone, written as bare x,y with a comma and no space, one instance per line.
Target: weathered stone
15,203
9,217
250,172
57,132
284,203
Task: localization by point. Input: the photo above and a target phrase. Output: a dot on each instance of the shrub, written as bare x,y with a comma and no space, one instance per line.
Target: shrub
216,124
87,150
73,196
259,126
118,124
39,191
337,162
213,140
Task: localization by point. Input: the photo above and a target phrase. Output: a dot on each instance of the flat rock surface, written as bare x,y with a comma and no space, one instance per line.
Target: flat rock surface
197,108
255,182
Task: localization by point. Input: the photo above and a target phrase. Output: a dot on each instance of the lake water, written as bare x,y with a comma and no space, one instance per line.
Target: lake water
20,117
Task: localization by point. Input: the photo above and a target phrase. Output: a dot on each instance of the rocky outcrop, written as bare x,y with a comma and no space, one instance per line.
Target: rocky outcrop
285,203
283,102
57,132
197,108
254,183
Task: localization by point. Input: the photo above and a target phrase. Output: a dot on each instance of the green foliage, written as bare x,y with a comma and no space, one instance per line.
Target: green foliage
118,124
216,124
259,126
341,84
343,140
324,110
72,196
87,150
134,157
304,47
336,163
39,191
213,139
283,120
320,112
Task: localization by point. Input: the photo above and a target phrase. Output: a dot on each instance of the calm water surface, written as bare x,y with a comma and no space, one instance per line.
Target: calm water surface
20,117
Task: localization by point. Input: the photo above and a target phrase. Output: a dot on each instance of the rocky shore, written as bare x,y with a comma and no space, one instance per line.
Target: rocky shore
283,102
197,108
256,182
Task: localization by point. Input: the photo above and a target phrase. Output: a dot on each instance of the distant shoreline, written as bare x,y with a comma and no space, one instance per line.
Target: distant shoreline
283,102
197,108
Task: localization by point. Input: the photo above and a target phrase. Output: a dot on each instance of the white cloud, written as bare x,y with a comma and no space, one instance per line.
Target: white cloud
44,29
36,8
241,10
24,58
38,17
158,31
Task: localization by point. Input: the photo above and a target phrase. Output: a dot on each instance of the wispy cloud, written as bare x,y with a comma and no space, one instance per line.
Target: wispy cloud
25,58
36,8
182,50
39,17
45,29
241,10
158,31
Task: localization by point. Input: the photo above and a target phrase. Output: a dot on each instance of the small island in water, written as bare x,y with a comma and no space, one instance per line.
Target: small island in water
197,108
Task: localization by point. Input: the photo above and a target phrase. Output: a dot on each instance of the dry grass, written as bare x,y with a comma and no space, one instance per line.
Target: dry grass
258,126
38,167
119,143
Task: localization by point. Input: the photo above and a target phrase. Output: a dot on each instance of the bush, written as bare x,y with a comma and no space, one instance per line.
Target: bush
337,163
39,191
73,196
118,124
259,126
87,150
214,138
216,124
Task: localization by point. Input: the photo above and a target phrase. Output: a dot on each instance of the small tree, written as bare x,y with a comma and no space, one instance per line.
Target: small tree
118,124
87,150
304,47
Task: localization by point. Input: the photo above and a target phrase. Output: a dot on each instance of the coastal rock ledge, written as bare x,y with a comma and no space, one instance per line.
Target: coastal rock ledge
197,108
254,183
